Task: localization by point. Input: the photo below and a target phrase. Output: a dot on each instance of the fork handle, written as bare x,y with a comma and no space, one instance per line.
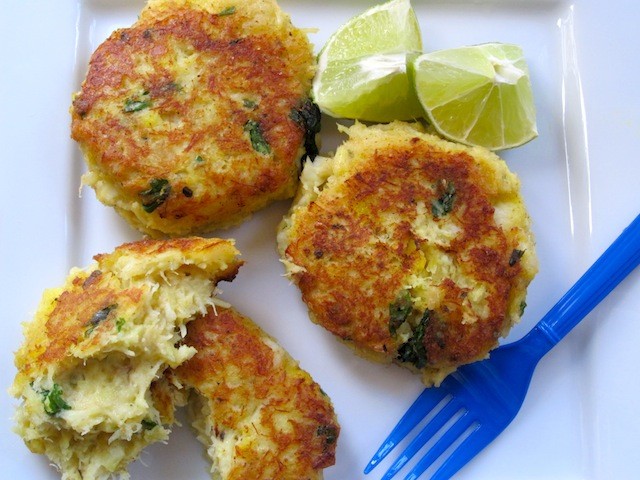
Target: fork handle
622,256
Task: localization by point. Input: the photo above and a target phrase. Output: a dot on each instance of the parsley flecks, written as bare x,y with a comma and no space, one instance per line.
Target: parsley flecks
329,432
413,350
199,159
120,323
515,257
258,142
444,203
399,310
148,424
523,305
53,402
98,317
158,191
308,116
227,11
248,103
135,105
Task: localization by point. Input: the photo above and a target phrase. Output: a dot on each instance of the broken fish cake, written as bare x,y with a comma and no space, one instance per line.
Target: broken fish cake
91,356
258,413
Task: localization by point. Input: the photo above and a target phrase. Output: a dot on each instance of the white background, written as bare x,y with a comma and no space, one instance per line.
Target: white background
579,178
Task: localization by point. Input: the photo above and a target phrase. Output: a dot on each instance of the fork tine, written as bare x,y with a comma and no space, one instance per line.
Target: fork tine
429,430
425,402
469,448
458,428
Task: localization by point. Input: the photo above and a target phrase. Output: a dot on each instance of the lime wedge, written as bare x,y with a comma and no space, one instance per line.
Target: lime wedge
478,95
362,69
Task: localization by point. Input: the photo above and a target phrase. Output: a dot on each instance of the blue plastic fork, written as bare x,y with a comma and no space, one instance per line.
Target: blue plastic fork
481,399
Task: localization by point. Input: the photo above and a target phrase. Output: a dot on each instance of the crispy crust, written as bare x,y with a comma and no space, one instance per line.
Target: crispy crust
277,419
198,77
355,241
57,336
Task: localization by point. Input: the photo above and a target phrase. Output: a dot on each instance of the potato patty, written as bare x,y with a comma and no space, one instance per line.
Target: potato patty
257,412
96,345
410,248
197,115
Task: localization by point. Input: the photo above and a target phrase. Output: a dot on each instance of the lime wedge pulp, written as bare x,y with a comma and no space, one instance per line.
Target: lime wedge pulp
362,69
478,95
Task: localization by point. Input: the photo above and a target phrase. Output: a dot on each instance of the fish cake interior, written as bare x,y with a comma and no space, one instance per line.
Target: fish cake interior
96,345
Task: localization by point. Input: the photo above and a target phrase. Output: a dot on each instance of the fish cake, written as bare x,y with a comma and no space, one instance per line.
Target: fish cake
88,367
409,248
197,115
258,413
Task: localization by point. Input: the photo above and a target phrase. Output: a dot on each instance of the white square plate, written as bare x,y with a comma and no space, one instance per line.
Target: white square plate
579,179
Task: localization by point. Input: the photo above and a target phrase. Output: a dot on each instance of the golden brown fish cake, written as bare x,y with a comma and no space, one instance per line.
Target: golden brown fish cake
258,413
197,115
410,248
96,345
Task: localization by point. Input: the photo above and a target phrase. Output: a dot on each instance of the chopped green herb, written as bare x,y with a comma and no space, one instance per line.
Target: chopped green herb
399,311
307,115
329,432
227,11
515,257
120,323
53,402
523,305
258,142
135,105
199,159
156,195
444,203
413,350
148,424
98,317
248,103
